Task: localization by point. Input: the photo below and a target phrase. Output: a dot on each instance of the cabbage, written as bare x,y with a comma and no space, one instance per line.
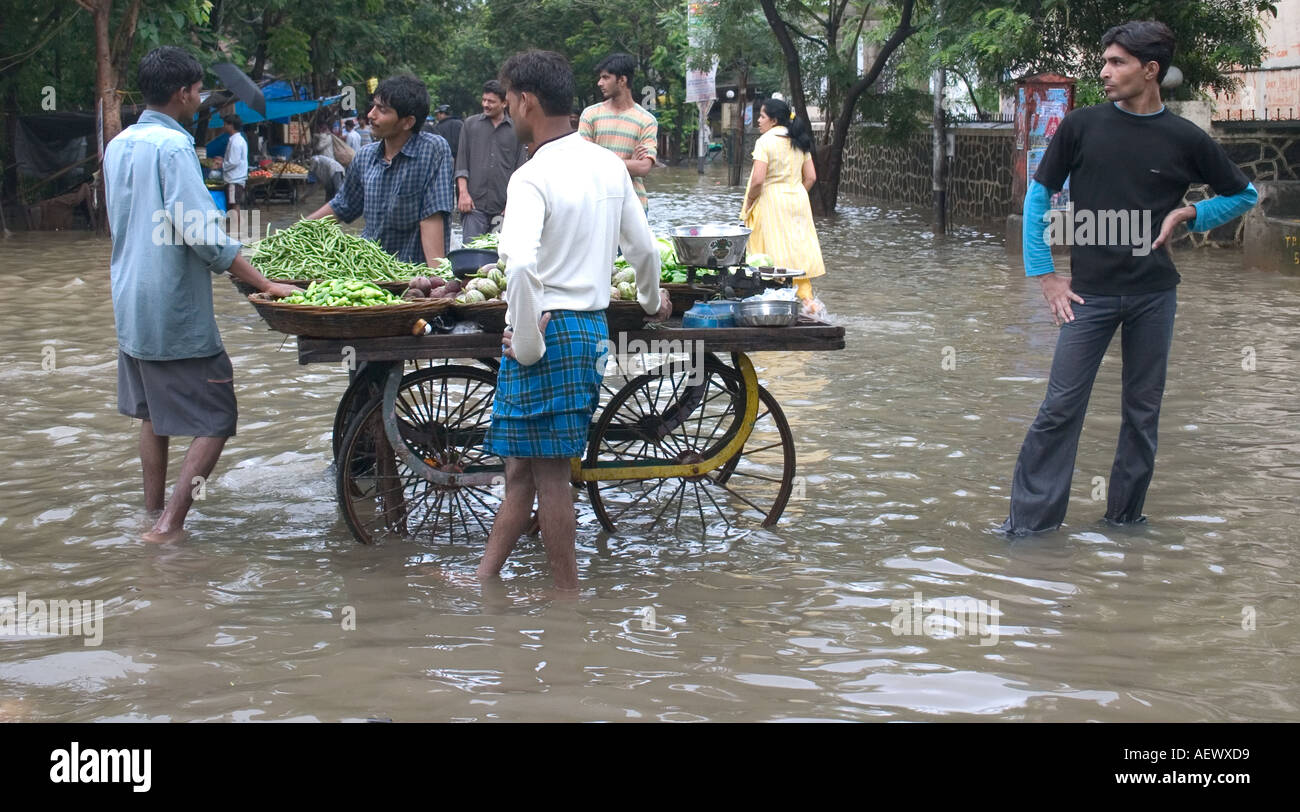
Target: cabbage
667,252
760,261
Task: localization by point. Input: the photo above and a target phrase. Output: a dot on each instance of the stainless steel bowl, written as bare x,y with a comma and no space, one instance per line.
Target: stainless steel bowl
710,246
768,313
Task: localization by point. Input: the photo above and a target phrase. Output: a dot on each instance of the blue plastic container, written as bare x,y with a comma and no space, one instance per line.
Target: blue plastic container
710,314
219,198
284,152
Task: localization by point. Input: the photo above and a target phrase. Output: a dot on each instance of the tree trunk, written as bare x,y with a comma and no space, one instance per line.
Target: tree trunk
738,154
108,108
105,75
830,156
259,61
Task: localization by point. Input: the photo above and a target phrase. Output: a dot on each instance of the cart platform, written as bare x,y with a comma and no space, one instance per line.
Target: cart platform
806,336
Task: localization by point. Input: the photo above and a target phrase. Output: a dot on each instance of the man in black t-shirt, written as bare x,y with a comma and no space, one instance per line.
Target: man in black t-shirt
1129,163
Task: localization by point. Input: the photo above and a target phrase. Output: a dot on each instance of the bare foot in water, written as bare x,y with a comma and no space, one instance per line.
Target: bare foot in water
157,536
451,576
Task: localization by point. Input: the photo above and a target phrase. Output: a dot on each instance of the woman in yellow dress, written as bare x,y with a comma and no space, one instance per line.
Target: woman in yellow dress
776,199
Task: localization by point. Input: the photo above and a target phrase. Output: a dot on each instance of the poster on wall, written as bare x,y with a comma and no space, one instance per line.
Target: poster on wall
1034,157
1049,107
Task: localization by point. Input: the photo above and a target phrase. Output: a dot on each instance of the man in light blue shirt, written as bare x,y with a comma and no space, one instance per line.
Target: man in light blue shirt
168,241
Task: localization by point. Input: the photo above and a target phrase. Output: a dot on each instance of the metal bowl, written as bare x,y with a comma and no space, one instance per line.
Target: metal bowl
768,313
710,246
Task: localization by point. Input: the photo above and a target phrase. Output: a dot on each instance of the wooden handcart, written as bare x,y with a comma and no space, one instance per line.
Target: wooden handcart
673,442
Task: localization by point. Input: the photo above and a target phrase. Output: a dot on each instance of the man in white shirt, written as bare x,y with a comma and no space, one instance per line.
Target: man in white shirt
234,166
352,136
568,209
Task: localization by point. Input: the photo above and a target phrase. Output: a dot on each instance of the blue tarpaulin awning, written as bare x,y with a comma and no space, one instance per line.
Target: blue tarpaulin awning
281,111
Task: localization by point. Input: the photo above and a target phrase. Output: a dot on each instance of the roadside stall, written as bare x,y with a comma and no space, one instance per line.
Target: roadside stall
279,176
684,434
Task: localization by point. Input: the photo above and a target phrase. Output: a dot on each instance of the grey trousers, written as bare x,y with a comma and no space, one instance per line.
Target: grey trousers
475,223
1040,487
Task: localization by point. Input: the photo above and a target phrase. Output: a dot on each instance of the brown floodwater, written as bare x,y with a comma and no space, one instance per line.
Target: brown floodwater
906,444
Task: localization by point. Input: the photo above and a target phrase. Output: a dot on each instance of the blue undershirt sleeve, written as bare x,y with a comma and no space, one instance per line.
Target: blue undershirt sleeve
1035,251
1219,210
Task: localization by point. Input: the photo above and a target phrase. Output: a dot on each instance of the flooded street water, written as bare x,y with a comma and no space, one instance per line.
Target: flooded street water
905,461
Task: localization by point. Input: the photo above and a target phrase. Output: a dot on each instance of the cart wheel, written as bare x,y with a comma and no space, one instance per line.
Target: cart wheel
368,383
665,420
443,413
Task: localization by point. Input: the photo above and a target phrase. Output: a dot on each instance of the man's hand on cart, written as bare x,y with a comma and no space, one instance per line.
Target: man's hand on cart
507,346
665,307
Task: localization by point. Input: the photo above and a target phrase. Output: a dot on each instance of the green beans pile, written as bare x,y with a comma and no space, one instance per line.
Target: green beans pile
483,242
319,249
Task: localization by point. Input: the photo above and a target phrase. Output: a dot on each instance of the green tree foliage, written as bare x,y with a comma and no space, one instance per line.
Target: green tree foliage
1013,38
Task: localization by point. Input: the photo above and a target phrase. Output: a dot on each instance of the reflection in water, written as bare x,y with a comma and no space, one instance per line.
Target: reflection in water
271,611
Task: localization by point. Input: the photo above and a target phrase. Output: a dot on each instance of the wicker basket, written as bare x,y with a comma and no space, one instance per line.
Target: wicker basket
491,315
374,321
395,288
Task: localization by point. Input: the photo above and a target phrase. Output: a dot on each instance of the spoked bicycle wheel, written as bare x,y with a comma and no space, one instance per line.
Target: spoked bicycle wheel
369,383
672,418
442,415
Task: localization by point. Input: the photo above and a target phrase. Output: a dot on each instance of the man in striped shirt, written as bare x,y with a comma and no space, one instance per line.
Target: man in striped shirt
619,124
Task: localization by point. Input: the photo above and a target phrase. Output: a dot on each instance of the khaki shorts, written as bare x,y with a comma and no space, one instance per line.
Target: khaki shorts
189,397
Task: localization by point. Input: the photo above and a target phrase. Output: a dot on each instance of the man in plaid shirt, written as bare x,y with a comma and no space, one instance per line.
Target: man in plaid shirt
402,181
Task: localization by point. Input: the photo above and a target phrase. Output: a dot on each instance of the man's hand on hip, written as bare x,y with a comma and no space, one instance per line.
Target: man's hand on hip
1056,291
1182,214
507,336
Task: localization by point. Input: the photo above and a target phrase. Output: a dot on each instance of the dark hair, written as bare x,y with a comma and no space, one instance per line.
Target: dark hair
407,96
350,123
494,87
1148,40
618,65
233,120
546,75
165,70
800,133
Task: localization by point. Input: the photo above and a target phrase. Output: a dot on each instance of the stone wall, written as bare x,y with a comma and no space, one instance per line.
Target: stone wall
1265,151
894,174
979,172
979,181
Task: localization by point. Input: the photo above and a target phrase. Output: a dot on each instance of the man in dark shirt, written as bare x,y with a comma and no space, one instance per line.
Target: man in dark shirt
448,126
489,154
1129,163
401,181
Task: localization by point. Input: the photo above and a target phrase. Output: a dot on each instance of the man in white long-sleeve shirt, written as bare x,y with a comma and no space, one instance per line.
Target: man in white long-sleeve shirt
234,165
568,209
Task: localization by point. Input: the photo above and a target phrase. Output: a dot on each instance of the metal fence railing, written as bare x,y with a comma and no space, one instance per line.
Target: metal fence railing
1267,114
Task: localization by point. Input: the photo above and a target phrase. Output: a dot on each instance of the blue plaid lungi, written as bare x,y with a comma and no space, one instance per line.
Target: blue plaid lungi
545,410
